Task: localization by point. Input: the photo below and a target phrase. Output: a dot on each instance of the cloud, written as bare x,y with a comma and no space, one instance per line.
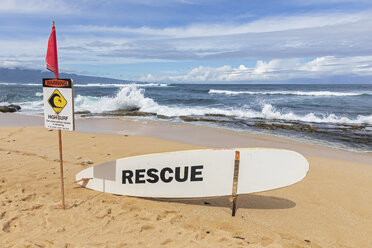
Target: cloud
10,64
163,2
36,6
29,54
147,78
268,24
275,37
322,2
343,40
282,45
278,70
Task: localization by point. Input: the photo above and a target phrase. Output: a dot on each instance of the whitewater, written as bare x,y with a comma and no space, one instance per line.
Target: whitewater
340,115
132,97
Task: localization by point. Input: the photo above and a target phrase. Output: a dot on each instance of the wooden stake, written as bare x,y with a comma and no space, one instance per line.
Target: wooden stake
235,183
61,169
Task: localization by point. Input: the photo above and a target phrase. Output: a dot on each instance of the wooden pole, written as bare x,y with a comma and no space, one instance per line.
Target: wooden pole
235,183
61,169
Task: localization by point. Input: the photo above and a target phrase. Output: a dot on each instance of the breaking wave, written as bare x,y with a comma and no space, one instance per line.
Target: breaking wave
96,84
339,114
121,85
131,97
128,98
23,84
298,93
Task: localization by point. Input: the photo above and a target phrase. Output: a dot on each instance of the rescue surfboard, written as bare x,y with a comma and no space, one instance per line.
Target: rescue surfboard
196,173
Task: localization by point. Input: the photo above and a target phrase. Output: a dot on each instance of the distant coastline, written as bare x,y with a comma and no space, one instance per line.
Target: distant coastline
20,75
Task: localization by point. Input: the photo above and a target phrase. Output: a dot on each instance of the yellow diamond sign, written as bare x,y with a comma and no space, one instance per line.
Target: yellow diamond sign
57,101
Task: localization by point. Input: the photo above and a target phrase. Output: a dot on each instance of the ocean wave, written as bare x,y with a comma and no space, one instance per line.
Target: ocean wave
96,84
270,112
127,98
121,85
22,84
32,106
298,93
132,97
28,107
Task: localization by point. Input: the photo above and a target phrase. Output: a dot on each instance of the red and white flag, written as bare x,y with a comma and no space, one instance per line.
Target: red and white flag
51,56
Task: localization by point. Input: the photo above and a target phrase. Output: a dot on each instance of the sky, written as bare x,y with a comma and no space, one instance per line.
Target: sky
194,40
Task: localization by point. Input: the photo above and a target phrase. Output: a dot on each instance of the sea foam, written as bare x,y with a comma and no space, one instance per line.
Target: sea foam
298,93
132,97
121,85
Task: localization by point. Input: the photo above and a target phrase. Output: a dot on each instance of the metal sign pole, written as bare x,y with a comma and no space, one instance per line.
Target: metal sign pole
61,169
235,183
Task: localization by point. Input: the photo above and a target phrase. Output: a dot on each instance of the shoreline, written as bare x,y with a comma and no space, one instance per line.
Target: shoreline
200,135
304,112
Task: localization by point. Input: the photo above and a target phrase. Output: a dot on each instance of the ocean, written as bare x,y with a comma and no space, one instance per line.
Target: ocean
335,115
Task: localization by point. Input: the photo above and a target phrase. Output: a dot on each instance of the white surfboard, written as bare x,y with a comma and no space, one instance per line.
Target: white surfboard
196,173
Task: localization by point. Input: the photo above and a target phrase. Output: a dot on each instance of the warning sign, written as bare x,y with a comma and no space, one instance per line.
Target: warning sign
57,101
58,104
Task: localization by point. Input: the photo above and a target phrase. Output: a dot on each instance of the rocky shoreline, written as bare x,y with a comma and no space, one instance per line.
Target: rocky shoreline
355,136
10,108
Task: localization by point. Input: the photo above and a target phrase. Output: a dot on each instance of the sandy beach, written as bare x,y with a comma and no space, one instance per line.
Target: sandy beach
331,207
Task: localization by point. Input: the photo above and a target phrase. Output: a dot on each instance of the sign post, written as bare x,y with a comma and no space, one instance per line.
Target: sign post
59,113
235,182
58,101
58,104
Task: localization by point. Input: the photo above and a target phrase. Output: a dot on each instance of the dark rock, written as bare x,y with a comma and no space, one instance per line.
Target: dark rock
305,128
17,107
10,108
297,127
120,112
138,113
188,119
215,115
133,109
163,117
212,120
4,109
191,119
124,112
355,127
82,112
262,125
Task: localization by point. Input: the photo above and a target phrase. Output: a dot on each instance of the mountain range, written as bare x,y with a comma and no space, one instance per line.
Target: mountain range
18,75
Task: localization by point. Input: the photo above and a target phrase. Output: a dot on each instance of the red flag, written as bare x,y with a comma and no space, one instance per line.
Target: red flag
51,57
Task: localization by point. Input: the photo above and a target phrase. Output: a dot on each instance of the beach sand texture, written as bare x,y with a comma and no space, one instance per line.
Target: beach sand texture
331,207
